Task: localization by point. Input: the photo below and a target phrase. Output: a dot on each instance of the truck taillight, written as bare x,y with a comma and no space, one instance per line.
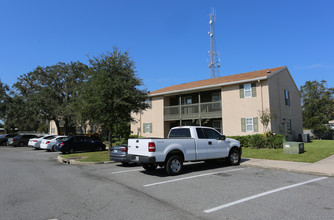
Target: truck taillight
151,147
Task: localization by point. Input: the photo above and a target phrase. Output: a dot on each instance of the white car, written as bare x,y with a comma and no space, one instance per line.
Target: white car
36,142
49,144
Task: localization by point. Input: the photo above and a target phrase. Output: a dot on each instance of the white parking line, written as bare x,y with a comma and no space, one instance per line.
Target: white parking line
261,194
191,177
125,171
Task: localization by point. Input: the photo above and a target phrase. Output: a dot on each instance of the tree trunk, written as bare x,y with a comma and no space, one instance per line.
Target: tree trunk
110,139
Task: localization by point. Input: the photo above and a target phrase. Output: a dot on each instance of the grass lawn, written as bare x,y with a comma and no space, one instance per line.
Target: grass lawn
97,156
314,151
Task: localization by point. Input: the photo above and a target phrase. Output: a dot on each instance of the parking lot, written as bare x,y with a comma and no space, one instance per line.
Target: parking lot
113,191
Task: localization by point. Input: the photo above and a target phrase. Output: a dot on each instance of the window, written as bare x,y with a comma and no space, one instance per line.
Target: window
207,133
216,98
147,127
179,133
187,100
247,90
249,125
287,97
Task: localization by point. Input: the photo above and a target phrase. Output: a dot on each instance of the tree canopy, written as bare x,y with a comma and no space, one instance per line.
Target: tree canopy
111,93
49,91
317,105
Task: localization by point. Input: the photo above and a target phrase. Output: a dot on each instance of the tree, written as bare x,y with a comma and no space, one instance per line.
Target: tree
266,116
111,93
3,99
317,106
50,91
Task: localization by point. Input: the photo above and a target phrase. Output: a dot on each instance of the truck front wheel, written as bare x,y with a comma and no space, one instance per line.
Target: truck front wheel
234,157
174,165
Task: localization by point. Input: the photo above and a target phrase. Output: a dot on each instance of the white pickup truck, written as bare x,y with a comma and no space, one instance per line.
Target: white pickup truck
187,143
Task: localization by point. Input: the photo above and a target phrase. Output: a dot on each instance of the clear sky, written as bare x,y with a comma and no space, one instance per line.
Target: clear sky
168,39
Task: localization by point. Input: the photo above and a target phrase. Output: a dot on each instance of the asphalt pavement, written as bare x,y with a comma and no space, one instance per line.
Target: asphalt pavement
323,167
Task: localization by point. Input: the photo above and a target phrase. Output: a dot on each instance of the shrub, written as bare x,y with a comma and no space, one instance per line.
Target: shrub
260,141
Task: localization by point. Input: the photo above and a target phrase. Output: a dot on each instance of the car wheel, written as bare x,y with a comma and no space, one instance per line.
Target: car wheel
174,165
150,167
21,144
234,157
53,148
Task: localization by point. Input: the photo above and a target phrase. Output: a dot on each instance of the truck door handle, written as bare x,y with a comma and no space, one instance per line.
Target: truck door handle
210,143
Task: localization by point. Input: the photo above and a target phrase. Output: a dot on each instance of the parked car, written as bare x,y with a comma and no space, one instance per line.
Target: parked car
36,142
79,143
119,154
49,144
20,140
4,138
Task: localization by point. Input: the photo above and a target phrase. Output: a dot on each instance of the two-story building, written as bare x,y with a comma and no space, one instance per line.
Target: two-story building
231,104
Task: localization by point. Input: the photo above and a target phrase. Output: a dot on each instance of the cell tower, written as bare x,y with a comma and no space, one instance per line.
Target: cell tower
214,63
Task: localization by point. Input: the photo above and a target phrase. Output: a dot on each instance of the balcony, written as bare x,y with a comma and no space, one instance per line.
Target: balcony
193,111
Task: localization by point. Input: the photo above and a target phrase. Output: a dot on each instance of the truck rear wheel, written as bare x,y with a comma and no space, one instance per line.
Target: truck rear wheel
174,165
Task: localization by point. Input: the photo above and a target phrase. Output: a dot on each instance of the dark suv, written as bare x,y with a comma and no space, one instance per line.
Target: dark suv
20,140
4,138
79,143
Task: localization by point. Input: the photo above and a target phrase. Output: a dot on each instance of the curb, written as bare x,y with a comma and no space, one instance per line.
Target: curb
60,159
302,171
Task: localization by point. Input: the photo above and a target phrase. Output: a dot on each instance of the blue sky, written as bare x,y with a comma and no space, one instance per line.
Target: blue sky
169,40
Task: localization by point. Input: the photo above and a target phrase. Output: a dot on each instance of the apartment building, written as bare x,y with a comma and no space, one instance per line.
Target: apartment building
231,104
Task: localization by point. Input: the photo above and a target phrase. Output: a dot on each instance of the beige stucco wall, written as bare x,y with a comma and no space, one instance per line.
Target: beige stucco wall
234,108
277,84
152,115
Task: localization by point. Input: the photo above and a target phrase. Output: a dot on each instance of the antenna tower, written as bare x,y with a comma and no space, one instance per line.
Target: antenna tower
214,63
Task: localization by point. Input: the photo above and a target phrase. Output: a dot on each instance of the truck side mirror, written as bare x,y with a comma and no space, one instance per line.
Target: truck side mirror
223,137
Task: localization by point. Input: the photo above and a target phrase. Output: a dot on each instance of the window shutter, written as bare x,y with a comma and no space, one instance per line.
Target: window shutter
242,92
150,127
243,125
255,124
253,89
144,127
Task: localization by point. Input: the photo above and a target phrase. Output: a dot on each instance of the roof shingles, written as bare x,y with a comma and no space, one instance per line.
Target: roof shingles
219,80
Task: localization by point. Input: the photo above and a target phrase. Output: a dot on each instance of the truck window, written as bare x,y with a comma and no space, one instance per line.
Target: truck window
179,133
207,133
200,133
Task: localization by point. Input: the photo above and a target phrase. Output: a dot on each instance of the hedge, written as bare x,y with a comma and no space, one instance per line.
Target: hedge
260,141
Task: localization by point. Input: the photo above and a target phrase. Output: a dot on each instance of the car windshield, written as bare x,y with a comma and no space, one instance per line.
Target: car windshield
1,136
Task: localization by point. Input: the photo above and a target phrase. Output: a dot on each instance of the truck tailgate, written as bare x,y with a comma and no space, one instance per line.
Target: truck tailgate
138,146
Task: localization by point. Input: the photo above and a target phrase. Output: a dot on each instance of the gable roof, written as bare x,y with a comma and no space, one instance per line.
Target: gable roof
219,81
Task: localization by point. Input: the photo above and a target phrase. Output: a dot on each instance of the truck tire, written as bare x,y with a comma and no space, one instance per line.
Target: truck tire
234,157
150,167
174,165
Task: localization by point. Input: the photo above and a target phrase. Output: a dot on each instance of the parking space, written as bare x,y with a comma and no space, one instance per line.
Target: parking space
215,190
